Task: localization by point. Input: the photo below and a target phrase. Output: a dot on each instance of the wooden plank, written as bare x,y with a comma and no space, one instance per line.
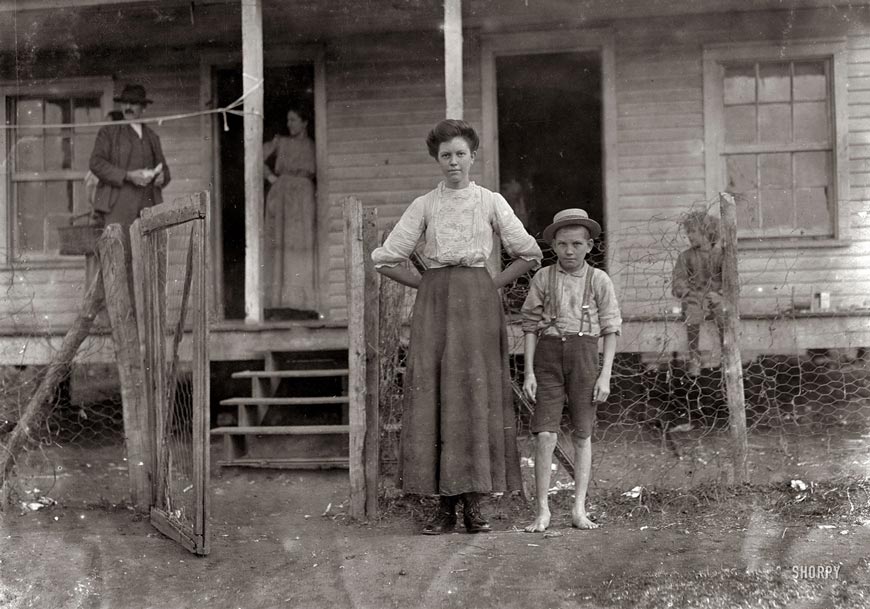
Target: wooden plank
200,378
731,361
252,71
283,430
371,315
138,253
355,286
297,463
290,374
125,339
161,521
321,146
155,329
453,59
269,401
181,210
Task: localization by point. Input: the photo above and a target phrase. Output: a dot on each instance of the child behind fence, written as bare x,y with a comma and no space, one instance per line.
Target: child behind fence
697,280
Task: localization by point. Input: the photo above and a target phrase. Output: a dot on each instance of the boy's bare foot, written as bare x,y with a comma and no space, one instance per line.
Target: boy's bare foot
581,521
540,524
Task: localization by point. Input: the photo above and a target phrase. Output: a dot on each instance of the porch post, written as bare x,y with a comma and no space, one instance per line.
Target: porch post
453,58
252,77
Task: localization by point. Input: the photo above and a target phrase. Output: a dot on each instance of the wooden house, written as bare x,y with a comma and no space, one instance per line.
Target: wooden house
637,110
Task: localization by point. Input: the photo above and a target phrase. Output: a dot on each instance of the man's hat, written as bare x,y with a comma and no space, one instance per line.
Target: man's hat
572,217
133,94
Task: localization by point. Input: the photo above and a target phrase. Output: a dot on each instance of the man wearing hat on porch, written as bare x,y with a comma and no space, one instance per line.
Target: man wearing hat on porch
570,305
129,163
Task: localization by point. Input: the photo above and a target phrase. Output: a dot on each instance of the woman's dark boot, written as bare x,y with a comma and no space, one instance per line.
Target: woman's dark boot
471,516
444,519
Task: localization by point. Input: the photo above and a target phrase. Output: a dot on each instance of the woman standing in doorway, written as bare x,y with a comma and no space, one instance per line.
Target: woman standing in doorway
458,426
290,212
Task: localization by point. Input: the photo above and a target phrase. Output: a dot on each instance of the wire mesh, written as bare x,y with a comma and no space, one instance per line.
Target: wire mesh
666,421
175,428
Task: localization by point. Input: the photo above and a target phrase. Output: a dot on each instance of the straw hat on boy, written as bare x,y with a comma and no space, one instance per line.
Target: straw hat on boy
572,217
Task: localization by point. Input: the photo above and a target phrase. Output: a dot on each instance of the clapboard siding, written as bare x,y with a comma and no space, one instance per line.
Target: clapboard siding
660,127
384,93
382,102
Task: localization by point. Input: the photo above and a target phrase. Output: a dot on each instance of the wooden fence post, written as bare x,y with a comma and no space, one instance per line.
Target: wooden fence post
356,353
371,322
731,360
125,338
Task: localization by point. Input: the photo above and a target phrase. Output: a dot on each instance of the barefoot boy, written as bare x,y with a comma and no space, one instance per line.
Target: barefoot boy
570,305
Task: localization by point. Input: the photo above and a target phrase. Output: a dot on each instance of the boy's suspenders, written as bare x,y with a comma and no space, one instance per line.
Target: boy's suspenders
585,315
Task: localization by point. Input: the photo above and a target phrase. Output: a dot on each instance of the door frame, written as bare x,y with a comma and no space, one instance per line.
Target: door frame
600,41
210,62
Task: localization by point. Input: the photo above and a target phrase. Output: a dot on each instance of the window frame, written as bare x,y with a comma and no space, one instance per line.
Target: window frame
832,50
70,87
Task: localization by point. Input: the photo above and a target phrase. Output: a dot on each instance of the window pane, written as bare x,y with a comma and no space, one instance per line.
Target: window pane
29,215
775,170
746,207
774,83
812,168
79,196
777,209
85,111
53,146
57,197
29,112
774,123
810,82
811,122
57,210
739,84
28,152
813,211
741,173
55,110
740,125
82,145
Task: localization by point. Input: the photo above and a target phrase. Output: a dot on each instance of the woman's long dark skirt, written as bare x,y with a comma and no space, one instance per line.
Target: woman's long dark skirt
458,424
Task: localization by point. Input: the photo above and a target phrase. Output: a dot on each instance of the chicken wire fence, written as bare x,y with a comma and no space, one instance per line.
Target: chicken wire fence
666,422
77,452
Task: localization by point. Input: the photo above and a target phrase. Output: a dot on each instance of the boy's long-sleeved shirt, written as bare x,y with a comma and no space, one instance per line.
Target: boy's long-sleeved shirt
539,308
697,273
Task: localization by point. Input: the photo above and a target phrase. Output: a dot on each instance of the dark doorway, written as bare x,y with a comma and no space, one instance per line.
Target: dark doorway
550,138
281,86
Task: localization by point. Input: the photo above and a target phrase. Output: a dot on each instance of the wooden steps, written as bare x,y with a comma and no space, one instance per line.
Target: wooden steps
299,463
342,399
282,430
287,374
286,446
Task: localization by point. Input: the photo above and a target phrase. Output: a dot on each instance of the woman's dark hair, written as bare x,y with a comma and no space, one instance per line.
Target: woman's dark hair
448,129
299,110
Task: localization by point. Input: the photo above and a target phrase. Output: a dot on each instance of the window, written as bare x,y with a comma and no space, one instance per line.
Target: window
47,164
772,139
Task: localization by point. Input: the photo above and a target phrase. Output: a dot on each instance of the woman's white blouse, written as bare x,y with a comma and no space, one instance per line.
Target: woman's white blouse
457,225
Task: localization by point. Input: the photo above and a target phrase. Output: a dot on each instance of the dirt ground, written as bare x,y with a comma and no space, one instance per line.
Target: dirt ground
275,544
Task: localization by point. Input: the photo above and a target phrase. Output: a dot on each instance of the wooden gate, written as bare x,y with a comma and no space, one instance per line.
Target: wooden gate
171,294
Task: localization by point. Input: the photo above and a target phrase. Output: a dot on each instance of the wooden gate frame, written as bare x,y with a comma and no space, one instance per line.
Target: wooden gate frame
146,236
